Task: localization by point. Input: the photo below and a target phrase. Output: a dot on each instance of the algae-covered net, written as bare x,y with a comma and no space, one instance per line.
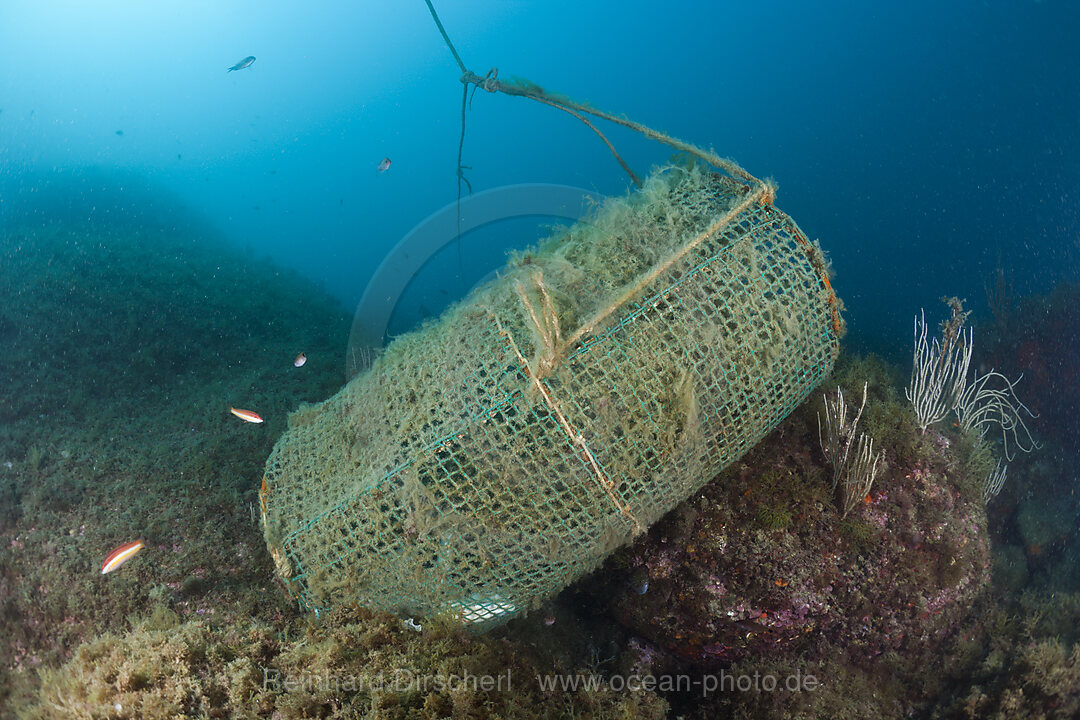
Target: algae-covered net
490,458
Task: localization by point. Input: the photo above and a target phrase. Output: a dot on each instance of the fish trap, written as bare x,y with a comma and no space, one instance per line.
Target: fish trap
490,458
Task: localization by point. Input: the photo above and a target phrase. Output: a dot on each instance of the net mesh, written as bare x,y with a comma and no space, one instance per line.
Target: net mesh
490,458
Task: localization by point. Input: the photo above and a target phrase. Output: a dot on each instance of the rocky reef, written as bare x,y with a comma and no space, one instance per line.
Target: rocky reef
923,601
761,564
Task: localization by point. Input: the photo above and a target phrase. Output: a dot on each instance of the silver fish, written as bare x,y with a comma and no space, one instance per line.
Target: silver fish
246,62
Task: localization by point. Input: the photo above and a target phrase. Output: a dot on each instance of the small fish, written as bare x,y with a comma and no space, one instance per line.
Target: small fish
383,166
121,555
300,360
120,133
251,417
246,62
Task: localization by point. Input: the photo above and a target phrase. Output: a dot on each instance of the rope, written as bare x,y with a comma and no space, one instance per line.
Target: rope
547,328
634,178
589,325
536,92
491,83
576,438
438,24
461,177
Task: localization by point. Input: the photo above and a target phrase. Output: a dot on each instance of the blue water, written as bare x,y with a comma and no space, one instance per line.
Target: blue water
925,144
918,141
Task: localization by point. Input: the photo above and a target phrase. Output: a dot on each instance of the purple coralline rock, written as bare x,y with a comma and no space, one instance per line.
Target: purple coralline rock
760,561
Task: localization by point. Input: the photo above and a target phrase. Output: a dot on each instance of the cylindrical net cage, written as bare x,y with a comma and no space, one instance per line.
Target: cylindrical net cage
490,458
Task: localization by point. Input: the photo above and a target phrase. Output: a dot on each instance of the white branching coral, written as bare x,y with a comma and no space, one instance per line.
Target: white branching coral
938,370
854,462
991,399
994,481
939,386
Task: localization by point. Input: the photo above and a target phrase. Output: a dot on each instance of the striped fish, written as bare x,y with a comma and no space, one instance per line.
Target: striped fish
252,417
121,555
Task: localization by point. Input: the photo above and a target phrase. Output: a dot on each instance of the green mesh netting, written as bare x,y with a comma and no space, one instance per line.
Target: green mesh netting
489,459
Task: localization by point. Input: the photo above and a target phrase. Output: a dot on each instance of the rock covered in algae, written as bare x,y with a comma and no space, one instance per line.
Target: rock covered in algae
759,563
356,664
